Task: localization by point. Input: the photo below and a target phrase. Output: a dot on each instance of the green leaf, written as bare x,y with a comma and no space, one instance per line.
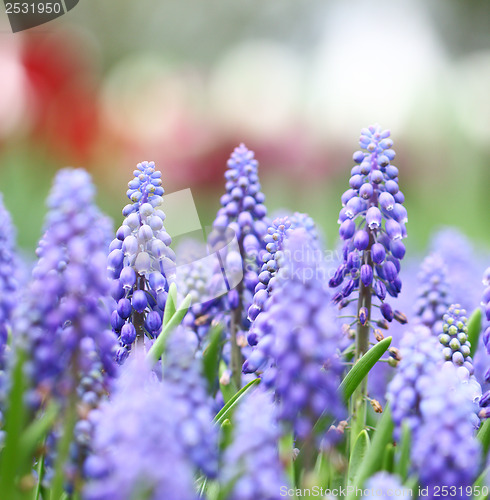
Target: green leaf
211,356
403,465
484,436
15,421
40,476
286,450
171,304
361,368
389,458
37,431
226,433
474,329
373,460
359,451
224,413
157,349
480,483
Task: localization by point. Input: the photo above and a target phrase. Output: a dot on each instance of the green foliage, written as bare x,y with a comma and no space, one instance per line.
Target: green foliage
360,370
474,329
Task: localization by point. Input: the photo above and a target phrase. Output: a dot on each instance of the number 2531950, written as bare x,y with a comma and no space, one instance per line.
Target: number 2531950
33,8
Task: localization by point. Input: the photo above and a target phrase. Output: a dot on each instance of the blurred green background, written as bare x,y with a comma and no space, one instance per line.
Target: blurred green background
115,82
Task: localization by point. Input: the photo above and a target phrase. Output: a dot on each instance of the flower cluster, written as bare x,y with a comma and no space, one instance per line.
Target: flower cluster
445,451
454,338
191,404
276,235
421,355
243,211
372,224
302,341
251,466
135,450
485,400
62,322
9,271
275,239
433,294
141,262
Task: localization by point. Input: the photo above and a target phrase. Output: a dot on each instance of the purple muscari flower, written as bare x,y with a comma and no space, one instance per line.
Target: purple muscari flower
300,338
462,264
251,465
485,400
445,451
454,338
299,219
136,453
277,234
9,275
241,220
384,485
61,312
372,221
243,196
275,239
144,264
184,382
433,294
421,356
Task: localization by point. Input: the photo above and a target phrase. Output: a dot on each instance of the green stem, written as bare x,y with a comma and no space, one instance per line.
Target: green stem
16,417
69,422
40,477
63,451
236,353
358,404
